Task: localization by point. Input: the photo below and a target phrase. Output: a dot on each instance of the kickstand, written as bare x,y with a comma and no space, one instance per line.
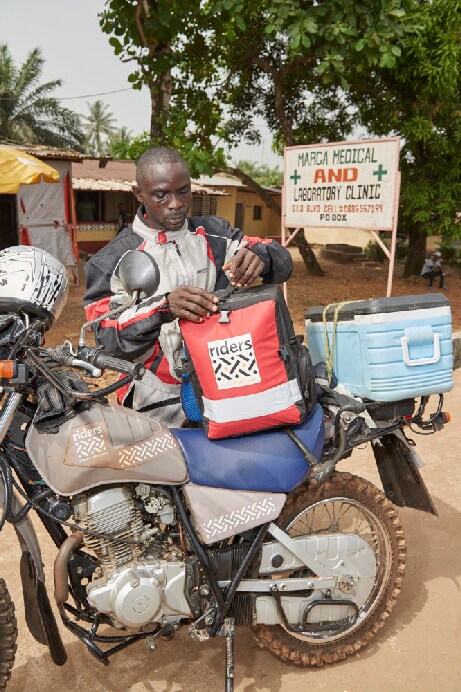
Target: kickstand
229,634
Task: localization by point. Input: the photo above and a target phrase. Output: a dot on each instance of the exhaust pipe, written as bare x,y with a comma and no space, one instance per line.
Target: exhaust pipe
61,566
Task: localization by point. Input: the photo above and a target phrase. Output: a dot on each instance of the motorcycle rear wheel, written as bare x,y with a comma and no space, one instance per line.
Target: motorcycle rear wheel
8,634
323,510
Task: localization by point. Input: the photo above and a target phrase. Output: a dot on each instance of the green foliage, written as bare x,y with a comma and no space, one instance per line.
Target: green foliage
118,141
166,44
420,100
262,173
313,72
29,113
374,251
197,160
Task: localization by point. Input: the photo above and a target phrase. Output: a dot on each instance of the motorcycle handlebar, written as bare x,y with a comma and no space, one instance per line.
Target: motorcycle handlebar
103,361
95,360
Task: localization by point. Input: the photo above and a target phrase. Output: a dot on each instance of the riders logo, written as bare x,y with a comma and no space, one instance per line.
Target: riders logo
234,362
89,443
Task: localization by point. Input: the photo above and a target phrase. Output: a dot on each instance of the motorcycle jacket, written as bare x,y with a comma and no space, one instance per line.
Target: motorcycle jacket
147,332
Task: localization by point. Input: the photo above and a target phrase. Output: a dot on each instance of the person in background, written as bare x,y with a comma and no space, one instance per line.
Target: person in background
195,255
432,269
122,217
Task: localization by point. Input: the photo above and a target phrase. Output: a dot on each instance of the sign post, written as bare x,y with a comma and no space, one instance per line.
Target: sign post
344,185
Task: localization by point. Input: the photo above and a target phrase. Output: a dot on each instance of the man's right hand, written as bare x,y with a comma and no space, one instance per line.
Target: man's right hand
192,303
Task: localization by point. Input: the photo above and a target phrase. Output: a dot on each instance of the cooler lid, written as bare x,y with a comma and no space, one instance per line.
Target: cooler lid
377,306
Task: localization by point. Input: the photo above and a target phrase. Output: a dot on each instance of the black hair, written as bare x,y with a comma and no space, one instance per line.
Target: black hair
156,156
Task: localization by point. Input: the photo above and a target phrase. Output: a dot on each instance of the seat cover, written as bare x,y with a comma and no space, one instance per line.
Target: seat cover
266,461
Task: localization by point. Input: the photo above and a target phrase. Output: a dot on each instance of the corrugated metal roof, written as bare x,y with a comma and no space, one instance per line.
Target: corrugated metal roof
98,184
126,185
231,181
42,151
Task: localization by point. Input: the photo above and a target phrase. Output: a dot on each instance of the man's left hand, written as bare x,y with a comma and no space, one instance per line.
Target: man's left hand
244,268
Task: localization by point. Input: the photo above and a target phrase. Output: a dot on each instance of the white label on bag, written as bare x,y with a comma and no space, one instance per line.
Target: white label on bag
234,362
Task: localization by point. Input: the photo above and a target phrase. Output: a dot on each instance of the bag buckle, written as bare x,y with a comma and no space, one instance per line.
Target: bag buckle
224,315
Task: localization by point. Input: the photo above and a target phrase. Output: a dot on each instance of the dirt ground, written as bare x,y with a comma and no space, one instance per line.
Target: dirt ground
416,651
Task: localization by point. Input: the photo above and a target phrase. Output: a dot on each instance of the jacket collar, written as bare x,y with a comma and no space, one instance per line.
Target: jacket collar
154,235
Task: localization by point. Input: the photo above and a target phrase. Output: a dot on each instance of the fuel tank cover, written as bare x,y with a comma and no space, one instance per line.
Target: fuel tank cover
106,444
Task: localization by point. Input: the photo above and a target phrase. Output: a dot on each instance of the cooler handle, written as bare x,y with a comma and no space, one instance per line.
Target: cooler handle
420,361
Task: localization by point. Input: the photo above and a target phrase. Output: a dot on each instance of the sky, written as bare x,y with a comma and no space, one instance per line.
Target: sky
77,52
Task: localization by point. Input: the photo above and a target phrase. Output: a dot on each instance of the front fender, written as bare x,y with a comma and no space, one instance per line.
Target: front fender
38,613
26,534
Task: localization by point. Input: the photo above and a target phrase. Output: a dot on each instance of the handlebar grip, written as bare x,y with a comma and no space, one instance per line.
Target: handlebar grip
103,361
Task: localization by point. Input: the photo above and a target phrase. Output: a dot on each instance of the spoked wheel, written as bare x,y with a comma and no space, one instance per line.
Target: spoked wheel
345,504
8,635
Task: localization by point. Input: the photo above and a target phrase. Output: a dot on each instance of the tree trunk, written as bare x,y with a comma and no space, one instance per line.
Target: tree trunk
416,252
313,268
160,94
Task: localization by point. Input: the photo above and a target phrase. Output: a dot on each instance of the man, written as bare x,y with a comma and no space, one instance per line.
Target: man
193,255
433,268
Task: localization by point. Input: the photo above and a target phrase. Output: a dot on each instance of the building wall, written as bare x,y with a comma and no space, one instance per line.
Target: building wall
268,225
226,204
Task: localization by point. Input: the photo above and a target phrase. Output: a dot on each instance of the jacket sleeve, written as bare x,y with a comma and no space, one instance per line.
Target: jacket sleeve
130,334
278,264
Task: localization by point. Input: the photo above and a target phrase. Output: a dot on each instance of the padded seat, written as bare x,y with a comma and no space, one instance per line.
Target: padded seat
266,461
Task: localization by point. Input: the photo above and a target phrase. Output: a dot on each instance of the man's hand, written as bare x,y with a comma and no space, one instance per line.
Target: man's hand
244,268
192,303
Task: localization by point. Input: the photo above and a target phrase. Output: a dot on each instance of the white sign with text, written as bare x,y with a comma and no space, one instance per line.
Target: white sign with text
344,184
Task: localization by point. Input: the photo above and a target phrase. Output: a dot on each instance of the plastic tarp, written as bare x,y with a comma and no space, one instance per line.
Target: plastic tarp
42,210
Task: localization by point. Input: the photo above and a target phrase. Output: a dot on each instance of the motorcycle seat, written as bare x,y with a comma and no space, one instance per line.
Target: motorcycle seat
267,461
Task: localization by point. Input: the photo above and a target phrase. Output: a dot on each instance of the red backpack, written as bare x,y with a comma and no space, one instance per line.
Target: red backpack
248,369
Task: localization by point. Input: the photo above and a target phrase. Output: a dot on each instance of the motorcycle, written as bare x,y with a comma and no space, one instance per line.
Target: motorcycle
152,534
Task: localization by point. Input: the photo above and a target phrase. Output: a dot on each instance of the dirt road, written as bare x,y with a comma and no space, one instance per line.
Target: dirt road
418,650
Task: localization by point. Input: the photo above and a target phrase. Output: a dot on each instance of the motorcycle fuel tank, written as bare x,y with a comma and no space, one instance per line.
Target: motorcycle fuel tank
106,444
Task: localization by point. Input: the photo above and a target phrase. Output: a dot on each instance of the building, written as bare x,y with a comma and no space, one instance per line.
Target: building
41,214
243,208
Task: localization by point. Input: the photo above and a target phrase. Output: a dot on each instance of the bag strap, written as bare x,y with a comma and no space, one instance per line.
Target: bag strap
226,293
223,306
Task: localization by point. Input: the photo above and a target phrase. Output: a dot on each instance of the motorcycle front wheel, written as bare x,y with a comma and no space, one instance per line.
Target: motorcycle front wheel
350,505
8,634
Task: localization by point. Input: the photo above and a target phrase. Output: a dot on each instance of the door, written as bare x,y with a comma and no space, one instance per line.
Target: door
239,215
8,221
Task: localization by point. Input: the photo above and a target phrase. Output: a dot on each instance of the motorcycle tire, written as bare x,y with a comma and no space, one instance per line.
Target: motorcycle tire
8,634
340,497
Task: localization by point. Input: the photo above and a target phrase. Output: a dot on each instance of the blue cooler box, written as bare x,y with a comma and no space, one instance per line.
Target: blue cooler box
387,349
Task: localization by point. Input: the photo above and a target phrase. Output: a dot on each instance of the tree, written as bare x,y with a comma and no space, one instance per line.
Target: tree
29,113
165,41
118,143
99,127
421,101
219,64
262,173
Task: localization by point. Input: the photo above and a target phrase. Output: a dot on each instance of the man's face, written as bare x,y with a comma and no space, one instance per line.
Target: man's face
165,192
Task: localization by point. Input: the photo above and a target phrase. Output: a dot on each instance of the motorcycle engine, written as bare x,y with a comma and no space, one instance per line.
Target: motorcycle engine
141,579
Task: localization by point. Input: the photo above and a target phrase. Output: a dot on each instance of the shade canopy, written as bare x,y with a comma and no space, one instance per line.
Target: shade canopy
18,168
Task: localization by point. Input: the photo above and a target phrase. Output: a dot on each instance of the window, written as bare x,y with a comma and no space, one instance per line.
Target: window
257,212
203,205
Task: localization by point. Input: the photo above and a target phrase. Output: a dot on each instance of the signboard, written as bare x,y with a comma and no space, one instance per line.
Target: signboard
346,184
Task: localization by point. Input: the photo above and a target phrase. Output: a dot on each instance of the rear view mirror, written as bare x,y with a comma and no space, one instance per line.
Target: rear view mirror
139,273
